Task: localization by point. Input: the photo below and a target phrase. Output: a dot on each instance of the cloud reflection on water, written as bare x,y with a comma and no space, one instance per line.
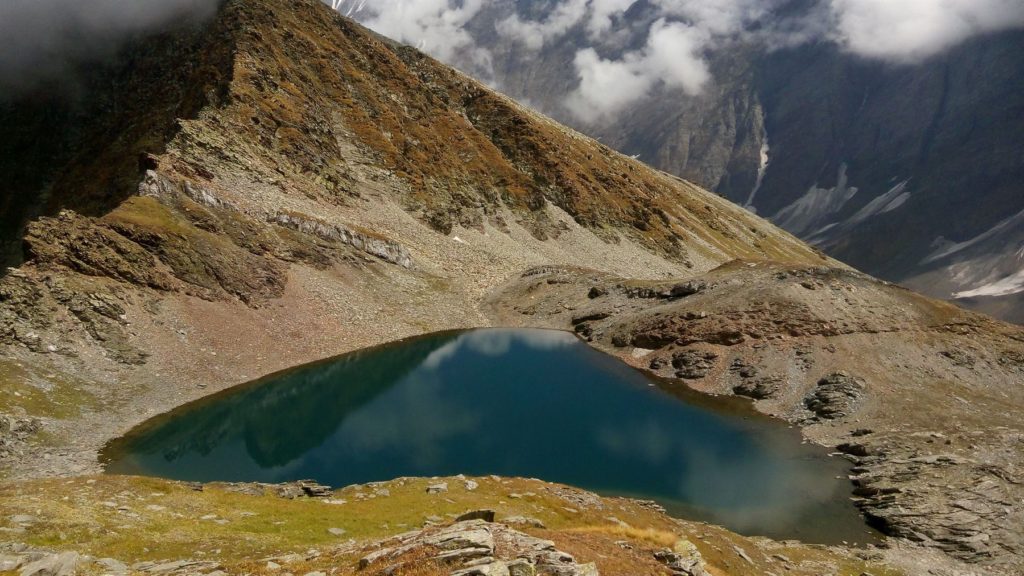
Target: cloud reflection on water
515,403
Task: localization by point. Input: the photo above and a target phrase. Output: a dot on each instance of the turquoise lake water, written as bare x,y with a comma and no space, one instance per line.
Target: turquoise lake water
530,403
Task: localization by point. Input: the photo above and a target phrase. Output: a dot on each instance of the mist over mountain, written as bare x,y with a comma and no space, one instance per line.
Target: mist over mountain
45,41
885,133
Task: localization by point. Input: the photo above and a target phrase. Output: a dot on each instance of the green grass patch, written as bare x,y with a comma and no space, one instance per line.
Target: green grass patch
40,392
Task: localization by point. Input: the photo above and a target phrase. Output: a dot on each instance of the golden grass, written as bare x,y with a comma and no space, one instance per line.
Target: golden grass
135,519
662,538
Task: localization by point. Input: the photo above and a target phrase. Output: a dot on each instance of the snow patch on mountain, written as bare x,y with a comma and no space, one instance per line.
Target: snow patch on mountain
944,248
814,210
1010,285
762,169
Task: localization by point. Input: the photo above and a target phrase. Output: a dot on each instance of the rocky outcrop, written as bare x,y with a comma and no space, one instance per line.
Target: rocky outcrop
686,563
288,490
383,248
62,564
24,312
15,431
907,492
30,309
752,383
476,548
835,395
758,388
692,364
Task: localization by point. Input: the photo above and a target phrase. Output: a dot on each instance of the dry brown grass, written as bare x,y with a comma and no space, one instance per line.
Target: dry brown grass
662,538
136,519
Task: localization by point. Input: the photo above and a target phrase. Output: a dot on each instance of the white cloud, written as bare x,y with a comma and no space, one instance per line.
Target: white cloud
434,26
911,30
534,34
596,16
671,58
673,54
602,12
674,49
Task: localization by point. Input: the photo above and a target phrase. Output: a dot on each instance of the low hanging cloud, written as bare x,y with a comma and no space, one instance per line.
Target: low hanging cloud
45,40
434,26
674,50
595,15
673,57
670,58
908,31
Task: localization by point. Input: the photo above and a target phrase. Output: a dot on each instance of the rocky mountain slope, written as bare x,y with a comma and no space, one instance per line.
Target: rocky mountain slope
882,165
278,185
923,396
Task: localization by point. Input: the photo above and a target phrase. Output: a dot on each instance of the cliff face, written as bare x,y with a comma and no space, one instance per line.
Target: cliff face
878,164
931,150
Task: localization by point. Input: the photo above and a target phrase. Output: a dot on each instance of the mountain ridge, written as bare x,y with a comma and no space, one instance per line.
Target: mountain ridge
813,137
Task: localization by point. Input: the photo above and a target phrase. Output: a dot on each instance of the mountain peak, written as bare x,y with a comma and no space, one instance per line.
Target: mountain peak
299,95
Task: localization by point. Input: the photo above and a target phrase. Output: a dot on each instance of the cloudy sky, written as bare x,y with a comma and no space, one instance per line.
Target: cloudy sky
43,39
674,54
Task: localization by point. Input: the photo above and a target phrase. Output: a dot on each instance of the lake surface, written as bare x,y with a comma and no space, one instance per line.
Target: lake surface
531,403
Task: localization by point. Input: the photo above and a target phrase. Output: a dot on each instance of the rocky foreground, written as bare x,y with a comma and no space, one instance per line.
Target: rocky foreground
406,526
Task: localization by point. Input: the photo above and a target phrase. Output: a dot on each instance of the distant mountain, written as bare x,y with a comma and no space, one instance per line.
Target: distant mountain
913,172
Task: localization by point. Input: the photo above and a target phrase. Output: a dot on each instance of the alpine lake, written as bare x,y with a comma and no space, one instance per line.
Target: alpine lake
510,402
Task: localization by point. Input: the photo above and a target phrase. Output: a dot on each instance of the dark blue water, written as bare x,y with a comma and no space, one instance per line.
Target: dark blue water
530,403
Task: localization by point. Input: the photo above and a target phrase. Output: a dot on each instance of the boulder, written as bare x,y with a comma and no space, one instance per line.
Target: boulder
682,564
437,488
693,364
112,567
479,548
493,568
687,289
835,396
10,563
590,317
759,388
62,564
485,515
521,567
523,521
